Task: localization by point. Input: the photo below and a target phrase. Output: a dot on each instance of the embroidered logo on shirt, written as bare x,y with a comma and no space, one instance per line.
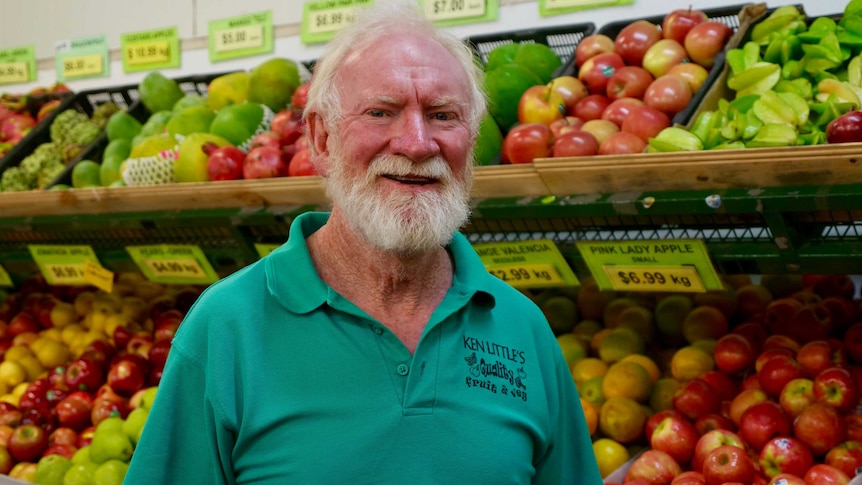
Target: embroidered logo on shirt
496,368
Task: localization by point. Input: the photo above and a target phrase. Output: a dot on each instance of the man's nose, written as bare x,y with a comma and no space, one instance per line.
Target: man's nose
413,137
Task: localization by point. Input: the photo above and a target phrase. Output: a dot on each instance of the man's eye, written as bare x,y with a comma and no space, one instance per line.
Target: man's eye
444,116
377,113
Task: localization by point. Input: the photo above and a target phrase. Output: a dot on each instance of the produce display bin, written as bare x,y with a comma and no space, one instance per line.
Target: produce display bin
34,138
561,39
732,16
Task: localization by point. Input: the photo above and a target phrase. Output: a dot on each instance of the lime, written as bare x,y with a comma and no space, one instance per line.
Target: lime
504,86
540,59
86,174
488,143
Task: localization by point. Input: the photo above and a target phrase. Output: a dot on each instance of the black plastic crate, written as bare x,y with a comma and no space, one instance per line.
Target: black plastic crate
562,39
29,142
133,105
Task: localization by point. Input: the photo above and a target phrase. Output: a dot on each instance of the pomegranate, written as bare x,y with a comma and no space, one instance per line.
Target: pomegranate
224,163
301,164
264,162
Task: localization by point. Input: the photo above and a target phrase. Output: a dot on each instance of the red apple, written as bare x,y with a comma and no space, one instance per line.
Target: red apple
734,354
689,478
834,285
777,372
817,355
705,40
744,400
6,461
854,426
27,443
596,71
677,23
564,125
63,436
713,421
785,454
822,474
591,107
632,42
727,464
570,88
576,143
628,82
654,419
67,451
591,46
843,312
86,436
726,386
846,457
853,342
675,436
540,104
797,395
694,74
846,128
22,322
619,109
766,355
712,440
762,422
524,143
662,55
5,432
158,354
645,122
653,467
621,143
820,427
73,413
837,387
669,94
786,479
755,332
695,398
104,408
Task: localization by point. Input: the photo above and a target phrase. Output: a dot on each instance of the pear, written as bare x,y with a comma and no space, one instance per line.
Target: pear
110,442
134,424
111,472
191,162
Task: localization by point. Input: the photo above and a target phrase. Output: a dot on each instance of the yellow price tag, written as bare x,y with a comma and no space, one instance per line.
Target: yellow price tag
175,268
248,37
152,52
86,65
98,276
14,72
437,10
555,4
655,278
330,20
528,275
65,274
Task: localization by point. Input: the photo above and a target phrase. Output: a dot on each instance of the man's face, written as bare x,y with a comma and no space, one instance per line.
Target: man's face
400,161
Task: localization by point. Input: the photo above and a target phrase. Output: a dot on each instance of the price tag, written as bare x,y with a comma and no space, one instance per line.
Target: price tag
687,258
81,58
98,276
527,264
655,278
165,263
554,7
63,265
242,36
322,19
155,49
454,12
5,279
17,65
264,249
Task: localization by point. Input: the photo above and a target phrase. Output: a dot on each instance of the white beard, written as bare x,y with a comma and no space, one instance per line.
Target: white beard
400,221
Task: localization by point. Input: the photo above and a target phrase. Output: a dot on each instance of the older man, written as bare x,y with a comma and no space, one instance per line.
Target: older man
373,347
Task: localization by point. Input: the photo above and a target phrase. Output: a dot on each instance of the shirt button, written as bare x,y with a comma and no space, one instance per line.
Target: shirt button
402,369
378,330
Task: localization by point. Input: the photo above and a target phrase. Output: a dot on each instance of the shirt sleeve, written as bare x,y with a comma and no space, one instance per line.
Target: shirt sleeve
180,442
570,458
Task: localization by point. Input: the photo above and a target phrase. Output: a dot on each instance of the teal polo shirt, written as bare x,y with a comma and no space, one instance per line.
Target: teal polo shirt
274,378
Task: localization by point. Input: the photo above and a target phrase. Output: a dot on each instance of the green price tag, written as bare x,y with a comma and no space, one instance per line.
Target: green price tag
556,7
150,50
455,12
322,19
265,249
527,264
63,265
18,65
173,264
82,58
5,279
243,36
665,265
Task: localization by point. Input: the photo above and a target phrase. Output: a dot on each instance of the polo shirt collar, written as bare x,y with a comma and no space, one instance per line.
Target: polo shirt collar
292,262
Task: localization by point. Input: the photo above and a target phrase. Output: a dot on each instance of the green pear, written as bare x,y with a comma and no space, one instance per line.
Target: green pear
82,456
148,397
191,162
80,474
51,469
110,442
134,424
111,472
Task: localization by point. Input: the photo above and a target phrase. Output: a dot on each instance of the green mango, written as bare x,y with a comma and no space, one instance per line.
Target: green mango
156,123
196,119
488,143
188,101
122,125
504,86
273,82
238,123
159,93
228,89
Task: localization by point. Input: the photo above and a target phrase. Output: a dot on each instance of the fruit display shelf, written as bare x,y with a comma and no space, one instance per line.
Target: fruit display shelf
782,210
561,39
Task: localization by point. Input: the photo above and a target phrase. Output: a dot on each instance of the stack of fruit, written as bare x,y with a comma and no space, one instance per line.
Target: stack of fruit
20,113
80,369
627,89
754,384
795,81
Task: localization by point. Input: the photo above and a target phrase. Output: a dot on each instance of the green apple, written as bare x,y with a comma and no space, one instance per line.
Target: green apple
134,424
111,472
80,474
51,469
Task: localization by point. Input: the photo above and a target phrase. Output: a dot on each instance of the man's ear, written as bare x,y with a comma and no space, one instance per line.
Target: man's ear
317,138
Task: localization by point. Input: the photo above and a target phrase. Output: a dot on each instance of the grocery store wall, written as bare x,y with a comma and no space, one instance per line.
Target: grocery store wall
44,22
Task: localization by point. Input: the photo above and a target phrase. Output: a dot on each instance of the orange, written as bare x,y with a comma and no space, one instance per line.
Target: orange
647,363
610,455
596,340
620,342
662,394
627,379
622,419
691,362
591,415
587,368
572,347
591,390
